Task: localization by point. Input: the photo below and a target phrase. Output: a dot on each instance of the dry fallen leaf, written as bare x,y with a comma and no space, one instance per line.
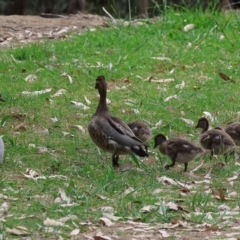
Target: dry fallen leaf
232,178
79,127
69,77
18,231
107,209
35,93
170,97
159,123
52,222
188,121
225,77
4,209
111,216
100,236
59,92
19,116
105,221
181,85
31,78
162,58
102,197
164,233
79,105
74,232
39,130
87,101
195,169
167,180
147,209
188,27
209,116
54,119
127,191
167,80
21,127
63,196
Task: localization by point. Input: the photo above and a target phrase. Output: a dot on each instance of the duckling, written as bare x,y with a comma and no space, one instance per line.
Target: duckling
233,129
111,133
178,149
216,140
141,130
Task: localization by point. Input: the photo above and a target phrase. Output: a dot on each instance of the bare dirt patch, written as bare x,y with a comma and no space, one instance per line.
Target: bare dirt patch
25,29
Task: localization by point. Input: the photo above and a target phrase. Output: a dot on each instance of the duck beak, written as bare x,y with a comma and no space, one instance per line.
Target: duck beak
96,86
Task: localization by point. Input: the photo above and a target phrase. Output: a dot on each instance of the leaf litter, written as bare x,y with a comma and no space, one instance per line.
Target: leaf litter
180,224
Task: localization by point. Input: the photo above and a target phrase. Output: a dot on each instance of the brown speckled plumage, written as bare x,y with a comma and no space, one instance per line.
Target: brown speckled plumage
178,150
141,130
111,133
233,129
216,140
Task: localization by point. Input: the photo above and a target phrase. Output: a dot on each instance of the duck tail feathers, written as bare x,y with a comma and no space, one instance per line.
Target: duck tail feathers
139,151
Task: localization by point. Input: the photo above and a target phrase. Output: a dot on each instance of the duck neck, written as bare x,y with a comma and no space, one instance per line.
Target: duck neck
102,106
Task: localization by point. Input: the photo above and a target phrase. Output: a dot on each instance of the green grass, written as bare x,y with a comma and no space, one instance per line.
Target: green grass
196,58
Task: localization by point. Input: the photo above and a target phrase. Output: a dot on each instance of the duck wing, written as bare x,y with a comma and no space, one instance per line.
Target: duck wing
183,146
115,129
122,133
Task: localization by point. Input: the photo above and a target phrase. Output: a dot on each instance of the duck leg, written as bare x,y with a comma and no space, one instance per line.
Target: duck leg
115,159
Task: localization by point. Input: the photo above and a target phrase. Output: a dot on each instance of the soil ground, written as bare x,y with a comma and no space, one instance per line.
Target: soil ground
25,29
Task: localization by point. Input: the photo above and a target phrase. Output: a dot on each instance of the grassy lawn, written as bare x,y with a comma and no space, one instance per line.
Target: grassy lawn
73,179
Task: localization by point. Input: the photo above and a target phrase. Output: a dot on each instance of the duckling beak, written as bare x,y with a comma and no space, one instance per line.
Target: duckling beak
96,86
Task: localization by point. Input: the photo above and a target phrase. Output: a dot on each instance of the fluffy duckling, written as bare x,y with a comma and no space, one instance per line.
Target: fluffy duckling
141,130
233,129
178,150
216,140
111,133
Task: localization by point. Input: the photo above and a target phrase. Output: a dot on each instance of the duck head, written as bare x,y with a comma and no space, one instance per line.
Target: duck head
101,84
159,139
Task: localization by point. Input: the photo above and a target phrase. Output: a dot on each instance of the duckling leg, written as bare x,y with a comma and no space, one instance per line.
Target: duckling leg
115,159
211,155
170,165
185,167
225,157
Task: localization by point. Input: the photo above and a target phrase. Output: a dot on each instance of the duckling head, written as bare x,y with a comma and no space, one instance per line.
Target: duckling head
203,124
159,139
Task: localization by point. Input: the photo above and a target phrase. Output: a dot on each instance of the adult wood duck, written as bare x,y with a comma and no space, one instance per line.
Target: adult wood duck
111,133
